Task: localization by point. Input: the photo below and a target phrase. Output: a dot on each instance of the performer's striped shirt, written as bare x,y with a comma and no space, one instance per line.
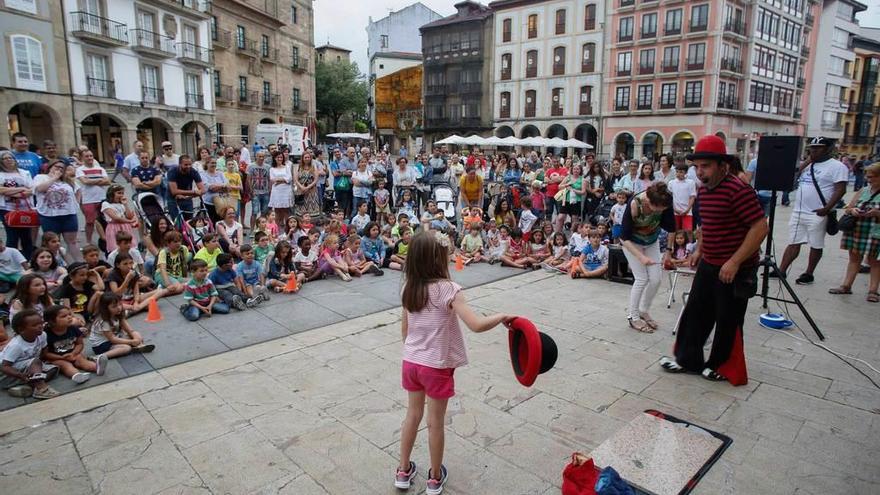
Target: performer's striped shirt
727,212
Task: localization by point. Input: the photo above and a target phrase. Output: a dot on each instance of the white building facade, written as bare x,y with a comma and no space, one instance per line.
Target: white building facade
831,82
140,70
397,35
548,68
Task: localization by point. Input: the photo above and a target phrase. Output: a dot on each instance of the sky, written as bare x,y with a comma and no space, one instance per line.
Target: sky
343,22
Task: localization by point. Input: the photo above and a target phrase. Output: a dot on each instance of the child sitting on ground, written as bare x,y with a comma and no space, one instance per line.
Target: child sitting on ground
361,219
171,263
472,244
123,281
30,293
593,261
12,266
252,275
357,262
263,249
20,360
272,225
539,249
52,242
306,260
45,265
92,257
402,224
560,255
397,260
602,227
110,333
200,294
262,228
579,239
471,215
294,231
390,221
387,238
330,260
407,206
210,250
373,246
281,268
229,285
80,292
64,346
517,254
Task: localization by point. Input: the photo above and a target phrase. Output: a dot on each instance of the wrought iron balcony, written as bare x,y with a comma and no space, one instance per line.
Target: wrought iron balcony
643,105
649,34
672,31
666,104
691,65
300,105
624,72
223,93
669,66
190,53
101,87
809,19
691,103
623,38
98,30
731,65
195,100
269,55
729,103
435,89
627,3
696,28
152,95
246,46
222,39
621,107
152,44
646,69
468,88
735,26
299,64
202,6
249,98
271,100
805,51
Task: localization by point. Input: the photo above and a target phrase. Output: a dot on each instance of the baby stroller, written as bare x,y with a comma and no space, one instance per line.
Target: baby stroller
414,208
196,227
603,210
149,209
444,196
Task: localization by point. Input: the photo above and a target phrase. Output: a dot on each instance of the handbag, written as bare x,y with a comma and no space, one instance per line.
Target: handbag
831,227
222,202
23,218
847,222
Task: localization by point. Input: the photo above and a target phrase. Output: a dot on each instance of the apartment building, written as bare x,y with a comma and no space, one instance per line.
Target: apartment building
263,69
330,53
139,70
548,68
457,65
679,70
861,124
34,85
836,28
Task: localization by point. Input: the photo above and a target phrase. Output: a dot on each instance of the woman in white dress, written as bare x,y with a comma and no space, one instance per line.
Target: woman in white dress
281,192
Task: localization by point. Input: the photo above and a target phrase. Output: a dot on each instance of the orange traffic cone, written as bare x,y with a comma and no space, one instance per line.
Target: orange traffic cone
291,284
459,262
153,313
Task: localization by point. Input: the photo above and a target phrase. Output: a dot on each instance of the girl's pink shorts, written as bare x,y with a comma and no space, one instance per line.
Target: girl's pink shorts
436,383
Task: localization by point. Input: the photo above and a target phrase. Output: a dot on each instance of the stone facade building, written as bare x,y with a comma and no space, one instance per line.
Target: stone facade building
329,53
34,82
263,65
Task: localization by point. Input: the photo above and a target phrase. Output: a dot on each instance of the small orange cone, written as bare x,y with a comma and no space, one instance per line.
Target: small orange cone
459,262
291,284
153,313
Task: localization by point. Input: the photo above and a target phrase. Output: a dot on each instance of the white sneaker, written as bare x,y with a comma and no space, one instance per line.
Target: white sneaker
81,377
101,364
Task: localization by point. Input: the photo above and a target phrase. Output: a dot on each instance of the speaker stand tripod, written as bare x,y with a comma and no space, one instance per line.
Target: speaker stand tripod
769,264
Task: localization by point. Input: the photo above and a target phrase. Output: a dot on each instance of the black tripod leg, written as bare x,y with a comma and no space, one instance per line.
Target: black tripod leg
800,305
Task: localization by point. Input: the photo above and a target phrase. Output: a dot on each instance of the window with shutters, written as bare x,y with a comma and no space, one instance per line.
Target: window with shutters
30,72
585,106
560,21
533,26
505,105
506,25
531,103
532,63
588,57
557,103
506,63
590,17
559,60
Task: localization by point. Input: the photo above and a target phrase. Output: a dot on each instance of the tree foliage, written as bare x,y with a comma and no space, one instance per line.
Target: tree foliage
341,89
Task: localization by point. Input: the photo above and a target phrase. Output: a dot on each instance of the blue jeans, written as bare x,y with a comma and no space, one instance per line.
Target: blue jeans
185,206
259,204
193,313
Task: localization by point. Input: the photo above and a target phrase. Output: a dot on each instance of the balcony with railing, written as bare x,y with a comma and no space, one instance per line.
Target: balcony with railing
530,110
674,31
732,65
786,111
801,82
435,89
98,30
643,105
198,6
692,103
224,94
246,47
299,64
101,87
152,95
504,112
858,139
805,51
864,107
248,98
698,28
669,66
588,66
152,44
666,104
646,69
624,71
558,69
798,113
695,65
300,105
728,103
269,55
271,100
505,74
195,100
649,33
532,70
192,54
585,108
735,26
468,88
809,20
222,39
627,3
624,37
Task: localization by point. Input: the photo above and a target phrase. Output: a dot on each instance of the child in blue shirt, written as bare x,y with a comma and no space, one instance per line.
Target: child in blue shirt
229,285
373,245
252,276
593,261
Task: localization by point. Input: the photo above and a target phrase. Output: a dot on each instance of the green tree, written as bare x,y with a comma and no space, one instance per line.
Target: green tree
341,90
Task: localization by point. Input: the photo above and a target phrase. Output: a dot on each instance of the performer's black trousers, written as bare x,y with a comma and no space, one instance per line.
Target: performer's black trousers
712,303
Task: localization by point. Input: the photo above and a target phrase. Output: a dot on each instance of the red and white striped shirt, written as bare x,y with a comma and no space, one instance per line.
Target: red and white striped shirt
433,336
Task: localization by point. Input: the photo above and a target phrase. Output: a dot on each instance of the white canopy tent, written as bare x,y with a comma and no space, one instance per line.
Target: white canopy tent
536,141
453,139
350,135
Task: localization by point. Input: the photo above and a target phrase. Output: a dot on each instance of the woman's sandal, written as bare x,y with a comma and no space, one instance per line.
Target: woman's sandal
840,290
650,322
669,365
712,376
640,325
873,297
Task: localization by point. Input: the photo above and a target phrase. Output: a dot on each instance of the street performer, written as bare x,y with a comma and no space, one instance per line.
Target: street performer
733,227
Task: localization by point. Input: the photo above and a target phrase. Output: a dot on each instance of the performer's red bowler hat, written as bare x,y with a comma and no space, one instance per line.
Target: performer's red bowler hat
531,352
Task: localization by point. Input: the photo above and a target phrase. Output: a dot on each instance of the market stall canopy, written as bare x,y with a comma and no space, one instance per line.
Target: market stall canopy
350,135
453,139
576,143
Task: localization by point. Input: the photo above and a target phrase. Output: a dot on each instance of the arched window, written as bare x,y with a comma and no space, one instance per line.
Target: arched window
27,54
588,57
506,64
585,106
560,21
559,60
533,26
505,105
531,102
532,63
590,17
505,30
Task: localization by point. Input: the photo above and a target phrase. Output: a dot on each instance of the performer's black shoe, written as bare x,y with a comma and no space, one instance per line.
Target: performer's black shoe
864,269
804,279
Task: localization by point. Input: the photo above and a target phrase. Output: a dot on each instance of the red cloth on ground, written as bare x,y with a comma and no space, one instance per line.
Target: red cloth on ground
579,479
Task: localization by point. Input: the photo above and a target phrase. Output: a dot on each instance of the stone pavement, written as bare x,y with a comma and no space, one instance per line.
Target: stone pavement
316,305
319,411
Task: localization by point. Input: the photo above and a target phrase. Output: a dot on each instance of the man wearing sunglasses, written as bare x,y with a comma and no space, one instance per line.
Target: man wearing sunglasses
169,158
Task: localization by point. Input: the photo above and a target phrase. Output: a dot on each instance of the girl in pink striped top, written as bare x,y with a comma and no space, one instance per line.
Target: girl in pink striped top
433,348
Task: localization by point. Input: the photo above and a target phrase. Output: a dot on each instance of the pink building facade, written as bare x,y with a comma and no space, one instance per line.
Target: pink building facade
678,70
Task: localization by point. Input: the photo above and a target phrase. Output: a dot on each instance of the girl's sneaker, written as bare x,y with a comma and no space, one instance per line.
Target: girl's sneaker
81,377
100,364
404,478
435,487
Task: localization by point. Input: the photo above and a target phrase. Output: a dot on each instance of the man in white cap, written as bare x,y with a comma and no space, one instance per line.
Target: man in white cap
169,157
821,185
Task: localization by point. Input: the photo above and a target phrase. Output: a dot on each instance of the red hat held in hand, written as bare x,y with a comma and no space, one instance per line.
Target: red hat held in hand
531,352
